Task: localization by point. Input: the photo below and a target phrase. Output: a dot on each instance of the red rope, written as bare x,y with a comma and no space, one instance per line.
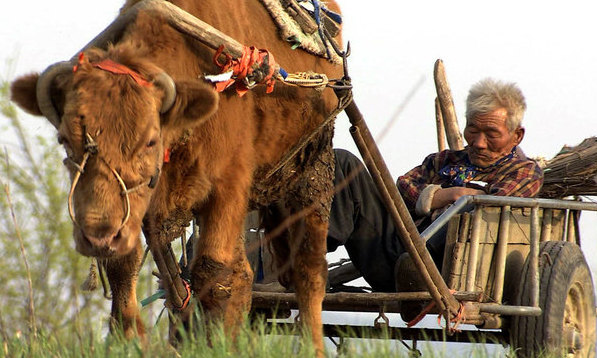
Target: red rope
455,321
81,56
186,301
452,324
422,314
245,69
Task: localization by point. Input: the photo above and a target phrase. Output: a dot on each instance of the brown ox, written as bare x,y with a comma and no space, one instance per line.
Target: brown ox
221,146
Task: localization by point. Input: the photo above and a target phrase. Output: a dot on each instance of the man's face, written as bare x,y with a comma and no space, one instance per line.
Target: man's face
489,138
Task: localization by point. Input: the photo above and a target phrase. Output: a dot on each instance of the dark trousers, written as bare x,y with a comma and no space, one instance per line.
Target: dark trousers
360,222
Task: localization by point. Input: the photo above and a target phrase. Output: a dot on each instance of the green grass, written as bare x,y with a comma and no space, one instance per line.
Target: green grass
252,341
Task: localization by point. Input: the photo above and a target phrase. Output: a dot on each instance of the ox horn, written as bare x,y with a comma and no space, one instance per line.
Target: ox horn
44,87
165,82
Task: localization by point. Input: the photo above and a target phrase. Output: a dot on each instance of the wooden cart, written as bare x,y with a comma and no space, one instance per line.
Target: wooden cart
514,264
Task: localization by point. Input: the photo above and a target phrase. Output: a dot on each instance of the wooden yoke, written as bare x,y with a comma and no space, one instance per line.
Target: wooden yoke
177,18
407,229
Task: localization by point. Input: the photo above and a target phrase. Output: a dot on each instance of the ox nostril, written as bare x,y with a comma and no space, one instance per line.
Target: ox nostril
116,237
99,241
101,236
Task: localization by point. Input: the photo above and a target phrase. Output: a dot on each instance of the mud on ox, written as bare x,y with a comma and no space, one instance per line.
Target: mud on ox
221,147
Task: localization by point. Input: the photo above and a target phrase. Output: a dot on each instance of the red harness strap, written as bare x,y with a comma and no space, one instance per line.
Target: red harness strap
252,60
116,68
120,69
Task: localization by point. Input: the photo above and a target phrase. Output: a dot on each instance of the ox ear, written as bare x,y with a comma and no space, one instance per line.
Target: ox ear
195,101
22,92
25,93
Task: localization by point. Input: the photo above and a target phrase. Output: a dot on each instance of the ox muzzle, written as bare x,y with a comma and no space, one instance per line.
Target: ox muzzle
91,149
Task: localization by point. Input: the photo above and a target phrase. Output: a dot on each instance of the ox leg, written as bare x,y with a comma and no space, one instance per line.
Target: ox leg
122,275
221,275
224,289
309,274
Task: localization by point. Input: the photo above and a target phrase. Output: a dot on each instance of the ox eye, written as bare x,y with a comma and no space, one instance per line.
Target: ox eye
151,143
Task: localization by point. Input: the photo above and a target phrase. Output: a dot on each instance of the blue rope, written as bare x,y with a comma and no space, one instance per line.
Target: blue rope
333,15
317,16
161,293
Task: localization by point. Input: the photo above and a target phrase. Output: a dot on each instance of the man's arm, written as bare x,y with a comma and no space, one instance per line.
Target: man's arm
524,179
435,197
420,193
446,196
416,180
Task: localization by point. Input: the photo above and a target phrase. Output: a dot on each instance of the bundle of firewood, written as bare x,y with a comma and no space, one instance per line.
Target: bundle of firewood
573,171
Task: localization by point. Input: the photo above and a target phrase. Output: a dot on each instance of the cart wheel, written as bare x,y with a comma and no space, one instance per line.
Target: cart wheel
566,326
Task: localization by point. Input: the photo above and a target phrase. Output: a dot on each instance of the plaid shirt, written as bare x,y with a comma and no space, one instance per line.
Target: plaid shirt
517,176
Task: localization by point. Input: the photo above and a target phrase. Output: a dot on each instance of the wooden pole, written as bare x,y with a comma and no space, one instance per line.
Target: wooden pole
408,232
352,301
446,102
177,18
439,125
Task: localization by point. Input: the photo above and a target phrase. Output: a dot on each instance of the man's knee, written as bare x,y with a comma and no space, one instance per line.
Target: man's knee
346,161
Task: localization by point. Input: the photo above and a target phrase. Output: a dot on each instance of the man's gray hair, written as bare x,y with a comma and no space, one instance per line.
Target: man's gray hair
488,95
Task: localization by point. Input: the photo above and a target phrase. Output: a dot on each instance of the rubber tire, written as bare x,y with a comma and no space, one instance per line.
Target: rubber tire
563,272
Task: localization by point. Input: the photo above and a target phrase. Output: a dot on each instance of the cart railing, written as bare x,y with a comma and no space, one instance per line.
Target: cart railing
539,231
466,203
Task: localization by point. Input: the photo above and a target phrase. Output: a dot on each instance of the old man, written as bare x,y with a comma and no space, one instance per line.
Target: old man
492,163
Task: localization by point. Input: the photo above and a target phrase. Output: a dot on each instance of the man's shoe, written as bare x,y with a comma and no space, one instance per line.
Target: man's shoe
408,279
407,276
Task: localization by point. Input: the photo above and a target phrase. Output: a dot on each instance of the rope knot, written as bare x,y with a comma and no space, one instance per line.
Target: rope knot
451,325
90,146
256,66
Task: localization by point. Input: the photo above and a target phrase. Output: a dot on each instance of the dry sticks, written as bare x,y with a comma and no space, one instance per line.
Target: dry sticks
573,171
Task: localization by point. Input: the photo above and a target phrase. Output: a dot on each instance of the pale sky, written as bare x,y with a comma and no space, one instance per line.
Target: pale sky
547,47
